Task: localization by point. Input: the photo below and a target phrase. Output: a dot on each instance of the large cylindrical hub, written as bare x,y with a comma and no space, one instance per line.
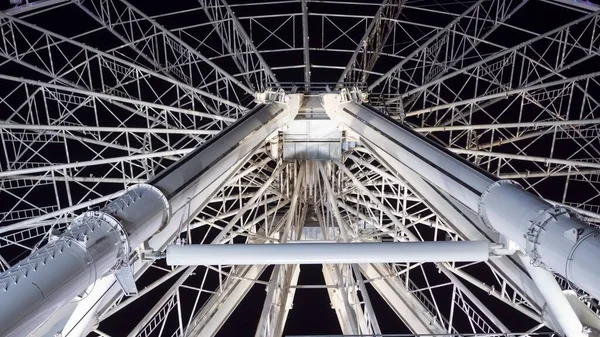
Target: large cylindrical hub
551,236
95,244
56,273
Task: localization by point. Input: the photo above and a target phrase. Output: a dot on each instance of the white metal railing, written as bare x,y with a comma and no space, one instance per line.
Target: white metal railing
547,95
158,318
475,318
493,68
13,184
117,68
425,301
588,133
26,213
177,47
69,98
32,137
27,234
20,165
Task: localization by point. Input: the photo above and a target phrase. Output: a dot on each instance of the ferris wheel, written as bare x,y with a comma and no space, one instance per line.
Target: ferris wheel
299,167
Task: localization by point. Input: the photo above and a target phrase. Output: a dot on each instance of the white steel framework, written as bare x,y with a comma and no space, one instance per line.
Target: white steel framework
176,168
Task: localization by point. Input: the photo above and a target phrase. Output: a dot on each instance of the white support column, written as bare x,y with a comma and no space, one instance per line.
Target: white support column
280,296
555,299
466,224
348,315
371,317
413,238
404,303
96,244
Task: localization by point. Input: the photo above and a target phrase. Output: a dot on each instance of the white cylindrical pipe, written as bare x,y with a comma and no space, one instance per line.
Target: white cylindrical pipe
550,236
555,299
328,253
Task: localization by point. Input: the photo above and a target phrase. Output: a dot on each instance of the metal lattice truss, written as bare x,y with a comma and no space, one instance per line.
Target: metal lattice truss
91,108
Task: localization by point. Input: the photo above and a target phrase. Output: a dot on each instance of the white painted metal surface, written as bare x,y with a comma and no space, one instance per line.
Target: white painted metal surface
96,243
551,236
99,243
555,299
328,253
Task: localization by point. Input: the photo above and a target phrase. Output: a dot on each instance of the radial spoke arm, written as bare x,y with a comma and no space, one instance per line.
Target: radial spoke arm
220,306
280,296
411,309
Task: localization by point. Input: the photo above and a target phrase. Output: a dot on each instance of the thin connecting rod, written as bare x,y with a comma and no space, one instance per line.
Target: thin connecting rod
306,46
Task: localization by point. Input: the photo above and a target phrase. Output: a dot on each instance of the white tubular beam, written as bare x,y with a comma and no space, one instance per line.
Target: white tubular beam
82,319
198,176
347,314
280,297
328,253
436,165
87,163
111,98
465,223
540,124
555,299
544,160
305,39
90,128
